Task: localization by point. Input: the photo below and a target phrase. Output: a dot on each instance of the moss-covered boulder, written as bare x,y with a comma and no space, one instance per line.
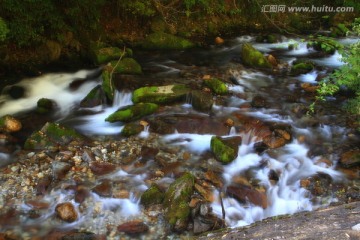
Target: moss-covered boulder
10,124
107,54
107,83
339,30
301,67
254,58
324,44
45,105
176,202
161,94
216,85
201,100
161,40
151,196
94,98
53,135
131,129
133,112
127,66
225,149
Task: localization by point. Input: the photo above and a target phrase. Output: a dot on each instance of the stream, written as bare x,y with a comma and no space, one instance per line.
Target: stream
313,152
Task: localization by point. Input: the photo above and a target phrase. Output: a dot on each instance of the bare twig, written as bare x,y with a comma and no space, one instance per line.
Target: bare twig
113,70
222,207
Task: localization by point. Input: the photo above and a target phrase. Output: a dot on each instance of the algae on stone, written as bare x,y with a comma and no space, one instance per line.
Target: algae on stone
151,196
127,66
225,149
131,129
254,58
160,94
176,202
201,100
161,40
216,85
302,67
132,112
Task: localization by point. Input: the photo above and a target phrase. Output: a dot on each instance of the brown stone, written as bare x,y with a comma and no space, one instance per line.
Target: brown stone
101,168
103,189
350,158
307,87
219,40
81,194
245,193
133,227
10,124
272,60
66,212
214,178
37,204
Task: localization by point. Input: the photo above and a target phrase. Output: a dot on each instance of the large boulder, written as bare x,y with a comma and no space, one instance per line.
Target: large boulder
254,58
151,196
161,40
225,149
102,55
132,128
201,100
94,98
132,112
53,135
161,94
176,202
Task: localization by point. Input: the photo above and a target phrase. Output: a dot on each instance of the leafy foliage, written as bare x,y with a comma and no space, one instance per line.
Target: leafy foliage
3,30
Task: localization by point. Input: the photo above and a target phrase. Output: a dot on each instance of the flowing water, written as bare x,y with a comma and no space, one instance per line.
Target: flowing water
297,160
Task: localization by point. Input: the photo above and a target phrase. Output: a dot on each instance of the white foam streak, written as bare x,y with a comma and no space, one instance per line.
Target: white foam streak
125,207
308,77
194,142
332,61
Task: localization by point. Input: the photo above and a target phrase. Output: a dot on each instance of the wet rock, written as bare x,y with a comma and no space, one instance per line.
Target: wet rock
60,169
126,66
269,38
246,194
201,101
204,220
9,124
254,58
176,202
301,67
214,178
133,112
38,204
133,227
160,40
80,236
279,136
310,88
106,54
101,168
259,102
225,149
318,185
103,189
272,60
88,156
161,94
9,217
66,212
219,40
216,85
43,185
151,196
131,129
350,159
148,153
16,92
81,193
53,135
45,105
94,98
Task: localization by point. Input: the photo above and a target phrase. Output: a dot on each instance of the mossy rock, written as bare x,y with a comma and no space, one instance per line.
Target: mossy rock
325,44
216,85
161,40
53,135
176,202
270,38
225,149
339,31
201,100
107,54
94,98
108,85
131,129
152,196
133,112
127,66
254,58
302,67
161,94
45,105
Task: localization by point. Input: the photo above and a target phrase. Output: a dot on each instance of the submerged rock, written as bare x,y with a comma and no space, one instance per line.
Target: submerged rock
254,58
53,135
161,40
176,202
350,159
244,194
133,227
301,67
161,94
225,149
45,105
131,129
201,100
133,112
66,212
151,196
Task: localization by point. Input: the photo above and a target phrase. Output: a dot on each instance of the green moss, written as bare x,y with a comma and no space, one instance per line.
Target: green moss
252,57
302,68
131,113
152,195
216,85
107,54
222,151
161,40
52,134
131,129
177,198
107,84
160,94
127,66
325,44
